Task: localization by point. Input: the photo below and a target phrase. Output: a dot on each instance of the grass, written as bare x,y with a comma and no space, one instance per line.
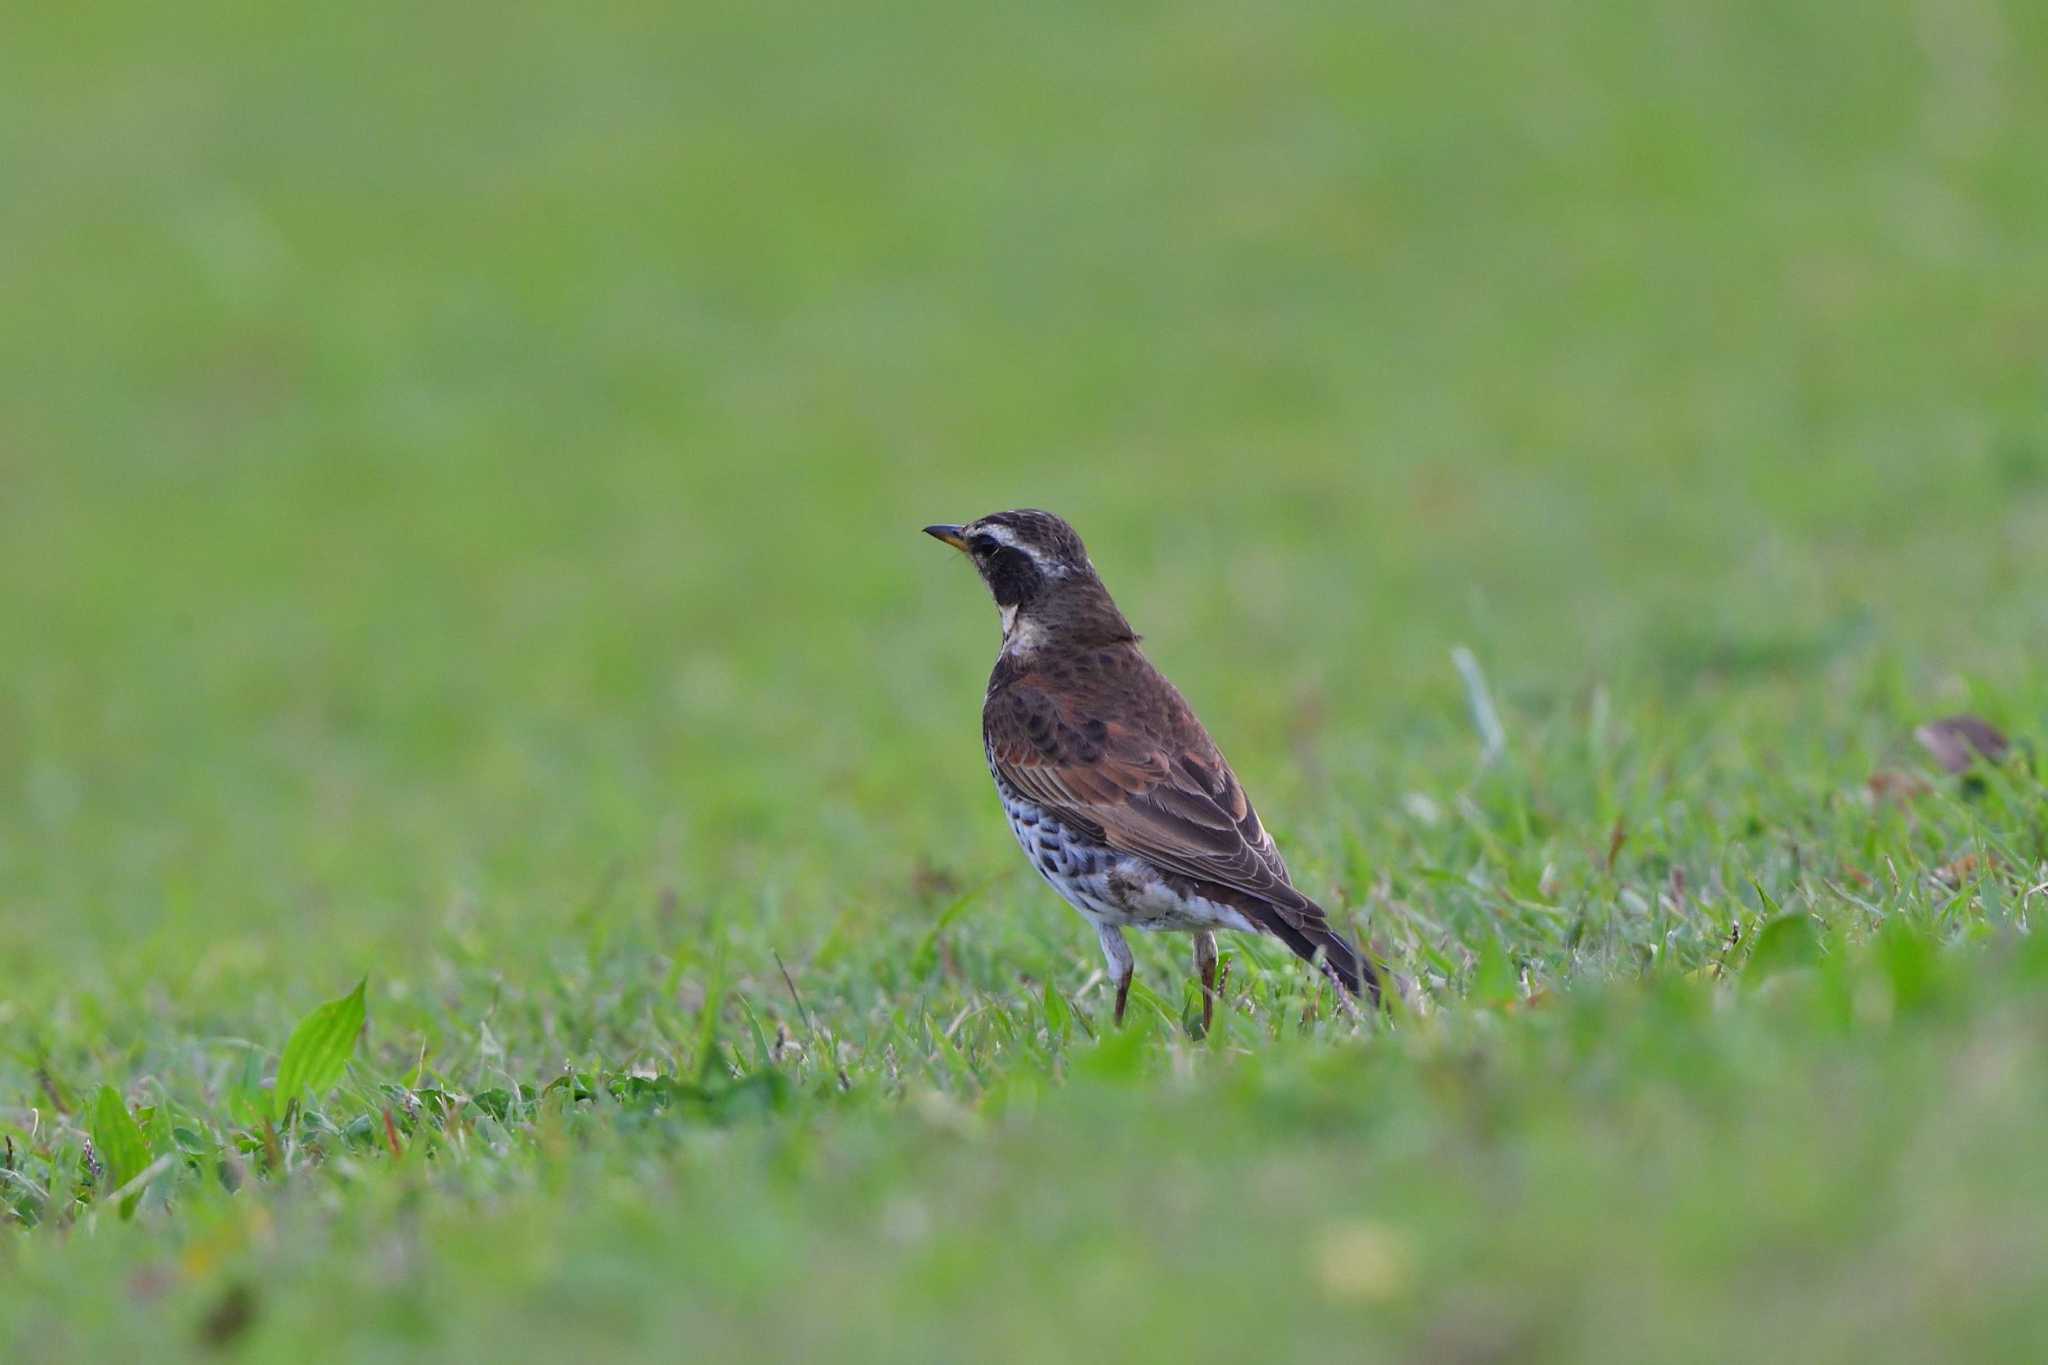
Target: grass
459,492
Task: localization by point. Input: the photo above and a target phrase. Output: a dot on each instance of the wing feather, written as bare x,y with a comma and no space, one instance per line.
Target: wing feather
1171,800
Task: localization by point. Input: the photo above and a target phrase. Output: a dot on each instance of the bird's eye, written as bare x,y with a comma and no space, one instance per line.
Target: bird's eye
983,545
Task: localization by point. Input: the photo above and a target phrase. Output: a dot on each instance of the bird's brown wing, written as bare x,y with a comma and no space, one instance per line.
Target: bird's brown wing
1158,790
1142,774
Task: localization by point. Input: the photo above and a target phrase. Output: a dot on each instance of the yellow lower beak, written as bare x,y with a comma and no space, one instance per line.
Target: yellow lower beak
950,534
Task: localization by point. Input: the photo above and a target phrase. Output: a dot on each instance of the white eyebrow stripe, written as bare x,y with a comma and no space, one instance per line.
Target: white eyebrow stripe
1000,534
1004,536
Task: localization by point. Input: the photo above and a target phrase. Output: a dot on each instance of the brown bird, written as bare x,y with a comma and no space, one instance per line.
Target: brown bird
1113,788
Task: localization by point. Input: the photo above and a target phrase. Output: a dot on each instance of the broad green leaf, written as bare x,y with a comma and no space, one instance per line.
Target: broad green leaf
1785,943
1909,960
761,1093
118,1140
1494,979
319,1049
1055,1010
497,1102
1119,1057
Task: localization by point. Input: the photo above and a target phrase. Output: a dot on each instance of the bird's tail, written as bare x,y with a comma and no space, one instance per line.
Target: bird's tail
1347,966
1313,940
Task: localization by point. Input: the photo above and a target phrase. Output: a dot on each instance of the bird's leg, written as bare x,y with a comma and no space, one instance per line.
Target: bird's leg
1205,965
1121,965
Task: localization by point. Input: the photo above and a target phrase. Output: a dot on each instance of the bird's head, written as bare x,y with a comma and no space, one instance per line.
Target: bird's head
1039,573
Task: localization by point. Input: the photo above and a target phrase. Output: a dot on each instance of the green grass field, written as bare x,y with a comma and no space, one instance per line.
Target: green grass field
460,476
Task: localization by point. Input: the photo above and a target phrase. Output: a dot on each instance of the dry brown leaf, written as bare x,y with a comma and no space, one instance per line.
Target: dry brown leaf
1886,785
1963,869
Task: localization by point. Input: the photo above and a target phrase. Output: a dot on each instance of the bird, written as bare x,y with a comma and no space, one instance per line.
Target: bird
1109,782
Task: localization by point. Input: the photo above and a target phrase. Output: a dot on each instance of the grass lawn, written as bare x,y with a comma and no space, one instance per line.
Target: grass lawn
460,480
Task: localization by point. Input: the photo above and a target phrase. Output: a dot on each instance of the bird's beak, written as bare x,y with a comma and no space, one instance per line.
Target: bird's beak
950,534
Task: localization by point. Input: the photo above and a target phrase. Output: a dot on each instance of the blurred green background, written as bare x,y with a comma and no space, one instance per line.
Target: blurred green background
448,452
460,469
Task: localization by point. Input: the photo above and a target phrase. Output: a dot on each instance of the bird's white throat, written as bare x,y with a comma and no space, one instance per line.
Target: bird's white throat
1021,634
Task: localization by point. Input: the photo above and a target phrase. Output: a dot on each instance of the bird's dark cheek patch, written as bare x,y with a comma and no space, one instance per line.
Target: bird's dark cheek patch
1012,577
